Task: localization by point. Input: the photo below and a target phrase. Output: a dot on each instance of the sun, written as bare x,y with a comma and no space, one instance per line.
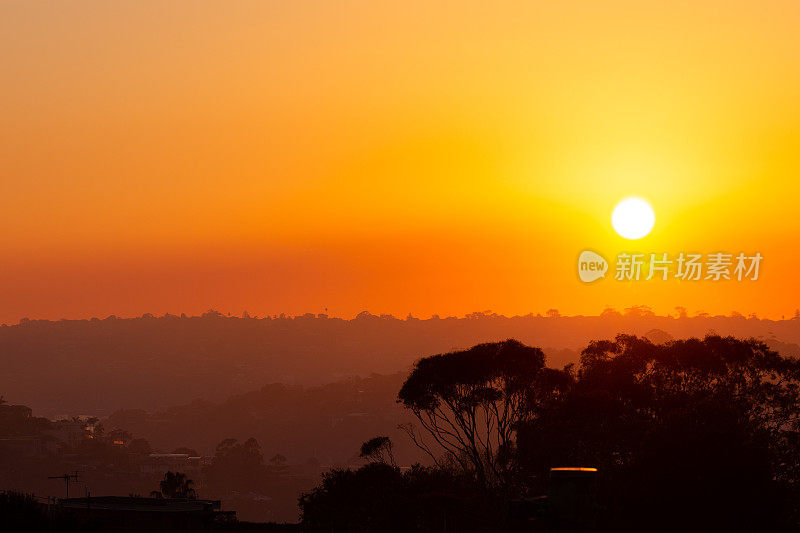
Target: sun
633,218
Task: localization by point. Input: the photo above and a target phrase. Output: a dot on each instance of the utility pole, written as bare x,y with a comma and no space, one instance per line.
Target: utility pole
67,478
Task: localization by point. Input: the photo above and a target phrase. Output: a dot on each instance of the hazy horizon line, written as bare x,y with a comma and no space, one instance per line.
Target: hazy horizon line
640,311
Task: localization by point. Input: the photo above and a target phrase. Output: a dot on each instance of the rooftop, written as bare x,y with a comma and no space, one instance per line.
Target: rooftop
130,503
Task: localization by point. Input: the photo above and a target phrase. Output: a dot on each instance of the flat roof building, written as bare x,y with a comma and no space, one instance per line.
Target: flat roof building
127,514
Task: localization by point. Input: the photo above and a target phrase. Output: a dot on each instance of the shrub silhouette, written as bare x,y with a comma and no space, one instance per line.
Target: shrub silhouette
175,485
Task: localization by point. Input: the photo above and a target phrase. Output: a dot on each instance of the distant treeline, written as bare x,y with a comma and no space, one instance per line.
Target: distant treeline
97,366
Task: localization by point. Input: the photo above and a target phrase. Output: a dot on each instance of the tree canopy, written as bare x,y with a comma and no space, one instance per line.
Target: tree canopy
175,485
470,402
705,427
692,434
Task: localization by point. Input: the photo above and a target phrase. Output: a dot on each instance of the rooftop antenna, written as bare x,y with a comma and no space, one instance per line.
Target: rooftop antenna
67,478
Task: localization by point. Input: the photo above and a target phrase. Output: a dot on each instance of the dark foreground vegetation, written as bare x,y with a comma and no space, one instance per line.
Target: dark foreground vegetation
685,435
690,435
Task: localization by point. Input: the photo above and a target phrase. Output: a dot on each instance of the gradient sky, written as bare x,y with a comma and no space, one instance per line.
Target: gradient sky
396,157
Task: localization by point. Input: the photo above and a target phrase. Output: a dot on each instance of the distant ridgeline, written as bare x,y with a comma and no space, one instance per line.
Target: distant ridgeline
97,366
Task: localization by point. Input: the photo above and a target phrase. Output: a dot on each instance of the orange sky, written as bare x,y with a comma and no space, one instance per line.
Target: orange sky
391,156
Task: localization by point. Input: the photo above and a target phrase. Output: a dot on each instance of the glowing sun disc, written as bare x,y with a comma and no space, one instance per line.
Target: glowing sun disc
633,218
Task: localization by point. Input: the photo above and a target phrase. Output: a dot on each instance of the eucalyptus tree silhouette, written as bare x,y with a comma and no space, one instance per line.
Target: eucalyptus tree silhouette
470,402
686,435
701,433
378,450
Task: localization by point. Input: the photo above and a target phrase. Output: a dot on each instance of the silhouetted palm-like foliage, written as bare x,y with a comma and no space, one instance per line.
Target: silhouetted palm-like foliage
175,485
